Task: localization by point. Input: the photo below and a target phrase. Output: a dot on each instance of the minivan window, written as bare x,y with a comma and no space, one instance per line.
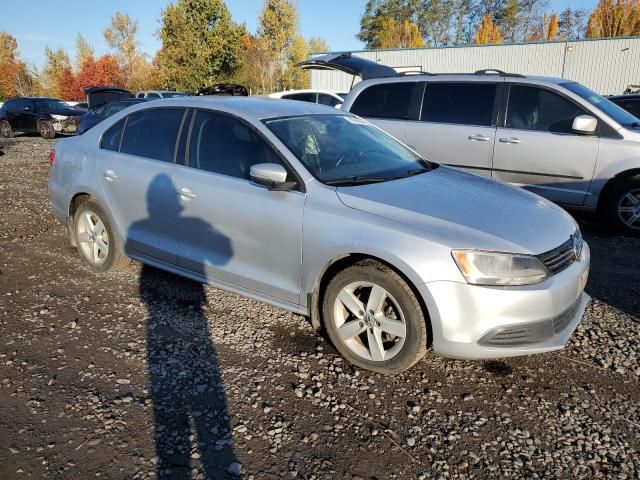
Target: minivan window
222,144
303,97
111,138
385,100
532,108
324,99
619,114
459,103
152,133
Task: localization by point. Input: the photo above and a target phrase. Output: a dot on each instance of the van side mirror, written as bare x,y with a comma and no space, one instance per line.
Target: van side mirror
271,175
585,124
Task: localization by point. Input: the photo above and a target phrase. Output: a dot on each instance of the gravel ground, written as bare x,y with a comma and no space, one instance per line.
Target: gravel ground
141,374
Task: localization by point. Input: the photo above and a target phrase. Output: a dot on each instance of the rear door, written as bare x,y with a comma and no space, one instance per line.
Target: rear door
537,148
136,166
386,105
457,124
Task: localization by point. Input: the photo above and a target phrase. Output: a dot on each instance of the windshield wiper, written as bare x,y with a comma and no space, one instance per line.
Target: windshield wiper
354,180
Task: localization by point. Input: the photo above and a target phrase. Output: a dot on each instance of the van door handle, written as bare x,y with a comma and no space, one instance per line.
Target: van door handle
110,175
479,138
186,193
510,140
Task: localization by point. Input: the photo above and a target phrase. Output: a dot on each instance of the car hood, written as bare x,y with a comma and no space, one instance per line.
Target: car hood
461,210
67,112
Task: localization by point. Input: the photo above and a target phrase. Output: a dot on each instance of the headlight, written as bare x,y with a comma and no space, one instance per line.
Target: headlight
59,117
493,268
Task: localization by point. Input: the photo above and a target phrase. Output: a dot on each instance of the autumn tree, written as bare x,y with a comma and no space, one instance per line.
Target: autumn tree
68,86
56,62
614,19
201,45
552,27
293,77
396,34
103,71
317,45
84,52
487,32
375,13
572,23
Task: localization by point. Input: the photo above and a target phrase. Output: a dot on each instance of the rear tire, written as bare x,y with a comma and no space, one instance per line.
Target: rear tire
5,129
374,318
95,238
45,129
622,206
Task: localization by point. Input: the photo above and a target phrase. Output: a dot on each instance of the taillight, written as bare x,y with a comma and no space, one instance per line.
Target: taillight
52,157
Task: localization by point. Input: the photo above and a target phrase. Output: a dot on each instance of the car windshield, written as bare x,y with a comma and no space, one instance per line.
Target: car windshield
52,105
346,150
173,94
616,112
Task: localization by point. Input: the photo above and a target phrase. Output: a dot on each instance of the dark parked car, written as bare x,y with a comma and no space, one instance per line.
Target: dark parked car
99,96
225,89
631,103
97,115
47,116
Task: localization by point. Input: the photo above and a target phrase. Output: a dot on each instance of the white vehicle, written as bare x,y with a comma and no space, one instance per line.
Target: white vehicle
151,94
322,97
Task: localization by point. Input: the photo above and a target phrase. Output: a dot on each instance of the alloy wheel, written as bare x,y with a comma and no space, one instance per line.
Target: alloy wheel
92,237
369,321
629,209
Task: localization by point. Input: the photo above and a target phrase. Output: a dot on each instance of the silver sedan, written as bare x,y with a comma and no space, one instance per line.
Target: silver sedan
319,212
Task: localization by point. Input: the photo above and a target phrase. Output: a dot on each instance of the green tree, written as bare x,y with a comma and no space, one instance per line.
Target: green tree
51,76
572,23
376,11
201,45
435,21
294,77
318,45
84,52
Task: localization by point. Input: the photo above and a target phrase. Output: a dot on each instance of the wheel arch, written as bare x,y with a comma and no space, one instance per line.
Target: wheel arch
340,262
632,172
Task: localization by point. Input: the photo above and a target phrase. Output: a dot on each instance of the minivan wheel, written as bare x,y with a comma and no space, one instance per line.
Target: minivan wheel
45,129
95,238
5,129
374,319
623,205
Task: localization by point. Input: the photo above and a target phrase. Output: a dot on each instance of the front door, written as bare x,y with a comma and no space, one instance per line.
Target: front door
538,150
457,125
138,183
231,229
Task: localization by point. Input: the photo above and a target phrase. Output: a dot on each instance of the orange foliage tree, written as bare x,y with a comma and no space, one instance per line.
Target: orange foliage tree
488,32
399,34
614,19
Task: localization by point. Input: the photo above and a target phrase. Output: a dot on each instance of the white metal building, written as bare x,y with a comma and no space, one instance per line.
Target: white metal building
607,66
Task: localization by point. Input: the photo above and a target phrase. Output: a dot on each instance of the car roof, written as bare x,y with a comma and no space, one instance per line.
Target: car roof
251,108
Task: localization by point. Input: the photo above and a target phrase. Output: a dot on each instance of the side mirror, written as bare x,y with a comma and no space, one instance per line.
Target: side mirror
585,124
271,175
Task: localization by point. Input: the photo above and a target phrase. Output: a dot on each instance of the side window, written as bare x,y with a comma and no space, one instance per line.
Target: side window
153,95
459,103
324,99
140,95
221,144
111,138
532,108
385,100
10,106
303,97
152,133
633,107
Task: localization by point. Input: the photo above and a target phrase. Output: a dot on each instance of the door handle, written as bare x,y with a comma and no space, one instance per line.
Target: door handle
510,140
110,175
479,138
186,193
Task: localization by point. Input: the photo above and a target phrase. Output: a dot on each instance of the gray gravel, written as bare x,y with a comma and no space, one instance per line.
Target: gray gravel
141,374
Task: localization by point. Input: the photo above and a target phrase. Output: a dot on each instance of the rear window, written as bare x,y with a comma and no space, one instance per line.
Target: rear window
152,133
386,100
303,97
459,103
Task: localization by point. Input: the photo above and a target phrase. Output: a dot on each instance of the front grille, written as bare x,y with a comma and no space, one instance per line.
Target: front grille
559,258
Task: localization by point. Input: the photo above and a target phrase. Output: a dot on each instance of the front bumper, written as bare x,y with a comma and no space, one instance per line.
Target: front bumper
65,126
475,322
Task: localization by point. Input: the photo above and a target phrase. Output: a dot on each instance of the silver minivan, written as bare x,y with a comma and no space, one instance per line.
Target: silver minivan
552,136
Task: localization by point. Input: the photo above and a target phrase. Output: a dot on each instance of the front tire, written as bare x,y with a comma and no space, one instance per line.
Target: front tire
95,238
374,319
622,205
5,129
45,129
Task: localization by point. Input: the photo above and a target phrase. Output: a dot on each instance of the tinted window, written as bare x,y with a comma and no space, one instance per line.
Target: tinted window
51,104
460,103
18,104
111,138
224,145
152,133
387,100
532,108
324,99
303,97
153,95
633,107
